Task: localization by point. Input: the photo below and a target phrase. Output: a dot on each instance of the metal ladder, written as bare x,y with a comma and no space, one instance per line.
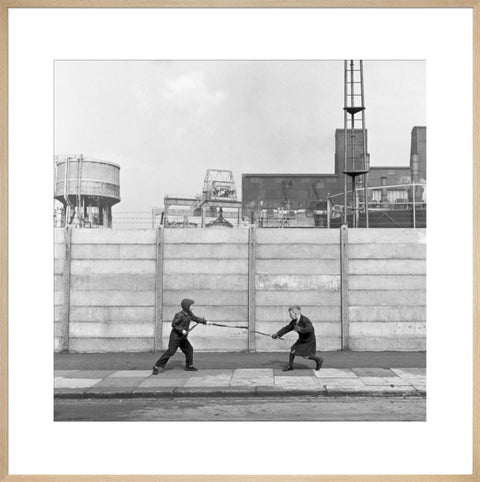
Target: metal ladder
355,163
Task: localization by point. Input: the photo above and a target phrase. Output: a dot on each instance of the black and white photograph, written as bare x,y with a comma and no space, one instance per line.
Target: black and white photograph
240,240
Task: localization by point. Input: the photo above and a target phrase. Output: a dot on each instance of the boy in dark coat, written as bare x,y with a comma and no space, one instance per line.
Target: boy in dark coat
306,345
178,338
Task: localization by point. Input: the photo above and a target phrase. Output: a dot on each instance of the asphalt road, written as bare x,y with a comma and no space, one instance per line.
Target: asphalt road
244,409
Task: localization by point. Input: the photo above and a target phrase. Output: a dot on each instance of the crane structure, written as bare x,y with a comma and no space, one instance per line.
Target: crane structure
356,163
219,184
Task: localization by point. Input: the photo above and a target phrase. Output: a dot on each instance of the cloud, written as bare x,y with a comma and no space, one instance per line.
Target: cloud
190,90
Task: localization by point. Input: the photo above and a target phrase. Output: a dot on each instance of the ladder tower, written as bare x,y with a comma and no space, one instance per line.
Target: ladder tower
355,142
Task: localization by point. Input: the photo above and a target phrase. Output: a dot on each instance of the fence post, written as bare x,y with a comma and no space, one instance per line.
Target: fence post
251,288
328,211
67,262
158,329
344,287
414,213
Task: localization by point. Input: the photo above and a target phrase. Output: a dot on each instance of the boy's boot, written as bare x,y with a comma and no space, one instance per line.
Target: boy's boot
318,360
289,367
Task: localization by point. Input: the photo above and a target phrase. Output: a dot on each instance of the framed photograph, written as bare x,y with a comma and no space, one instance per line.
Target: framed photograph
239,275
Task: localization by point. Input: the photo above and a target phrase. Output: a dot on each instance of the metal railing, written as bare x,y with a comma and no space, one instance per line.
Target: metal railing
398,205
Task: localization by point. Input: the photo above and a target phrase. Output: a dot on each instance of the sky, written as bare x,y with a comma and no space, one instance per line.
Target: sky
166,122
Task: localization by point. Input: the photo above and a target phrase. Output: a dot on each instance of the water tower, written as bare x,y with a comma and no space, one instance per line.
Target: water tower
87,189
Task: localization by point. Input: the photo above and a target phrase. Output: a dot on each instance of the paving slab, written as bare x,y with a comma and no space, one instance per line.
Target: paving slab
410,372
131,373
373,372
251,381
335,373
396,381
209,381
341,382
91,374
153,382
292,382
116,382
253,372
202,373
77,382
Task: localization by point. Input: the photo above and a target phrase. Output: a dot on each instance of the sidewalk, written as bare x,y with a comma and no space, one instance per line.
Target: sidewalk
128,375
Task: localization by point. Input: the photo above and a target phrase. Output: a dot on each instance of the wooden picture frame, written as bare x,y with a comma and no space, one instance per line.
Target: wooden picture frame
5,5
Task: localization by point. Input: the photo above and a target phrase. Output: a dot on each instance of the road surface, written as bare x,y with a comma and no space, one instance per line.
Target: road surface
244,409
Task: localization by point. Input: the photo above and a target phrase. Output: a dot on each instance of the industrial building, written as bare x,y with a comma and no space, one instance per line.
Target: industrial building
87,189
266,197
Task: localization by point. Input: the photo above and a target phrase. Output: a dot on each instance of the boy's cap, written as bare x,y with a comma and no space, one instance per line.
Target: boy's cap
186,303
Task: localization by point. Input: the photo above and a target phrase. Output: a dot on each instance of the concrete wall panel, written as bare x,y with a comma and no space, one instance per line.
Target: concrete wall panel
113,266
57,313
58,251
58,266
387,235
202,236
111,330
112,298
205,266
387,266
234,282
110,345
297,236
388,344
298,266
387,297
387,251
387,313
58,282
206,297
298,251
113,236
128,282
387,282
113,251
297,282
59,236
195,251
302,298
388,329
112,314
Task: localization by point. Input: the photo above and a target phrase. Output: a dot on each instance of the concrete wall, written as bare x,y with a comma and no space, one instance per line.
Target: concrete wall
119,290
112,291
387,289
211,267
297,267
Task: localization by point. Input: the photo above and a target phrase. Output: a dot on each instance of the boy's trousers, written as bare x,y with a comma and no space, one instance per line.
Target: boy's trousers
176,341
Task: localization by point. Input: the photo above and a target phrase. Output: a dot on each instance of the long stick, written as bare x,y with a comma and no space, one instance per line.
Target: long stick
245,328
